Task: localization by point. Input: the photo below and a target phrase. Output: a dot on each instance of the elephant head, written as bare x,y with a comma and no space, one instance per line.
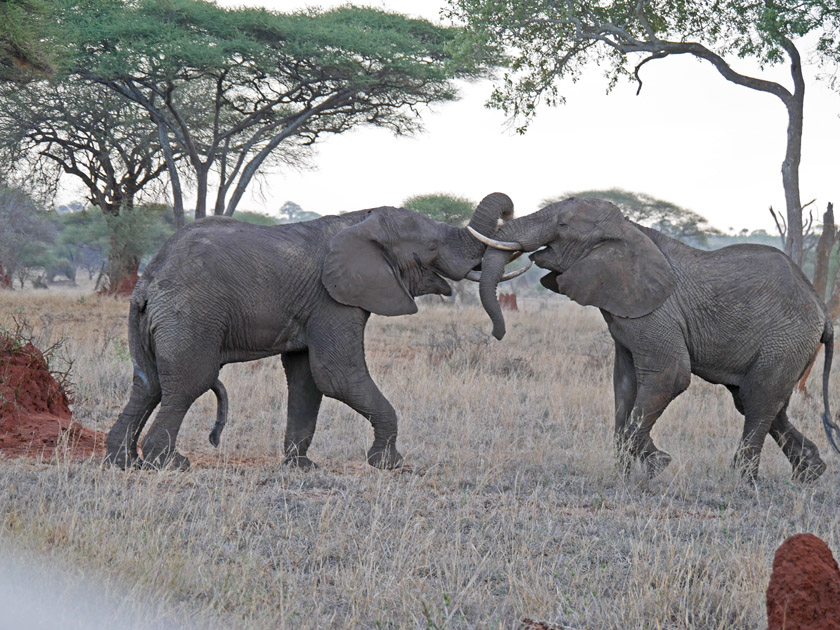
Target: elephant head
394,255
593,255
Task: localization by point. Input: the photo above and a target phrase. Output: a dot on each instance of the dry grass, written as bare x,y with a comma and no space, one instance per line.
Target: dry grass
514,510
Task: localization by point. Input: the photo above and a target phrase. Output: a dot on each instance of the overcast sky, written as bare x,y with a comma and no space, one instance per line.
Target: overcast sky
690,137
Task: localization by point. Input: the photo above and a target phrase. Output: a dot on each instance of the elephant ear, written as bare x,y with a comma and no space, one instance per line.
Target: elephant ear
358,271
626,274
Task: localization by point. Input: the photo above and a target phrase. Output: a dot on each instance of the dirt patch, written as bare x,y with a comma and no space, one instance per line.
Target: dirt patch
35,415
804,590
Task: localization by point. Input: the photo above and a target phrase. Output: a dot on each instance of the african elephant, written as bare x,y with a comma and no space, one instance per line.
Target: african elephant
742,316
221,291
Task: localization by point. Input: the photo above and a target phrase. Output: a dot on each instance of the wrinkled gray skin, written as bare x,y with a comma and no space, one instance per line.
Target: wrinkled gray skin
743,316
222,291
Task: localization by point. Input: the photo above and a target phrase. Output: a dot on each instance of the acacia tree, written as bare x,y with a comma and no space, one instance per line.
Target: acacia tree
50,130
237,88
450,209
669,218
24,49
550,40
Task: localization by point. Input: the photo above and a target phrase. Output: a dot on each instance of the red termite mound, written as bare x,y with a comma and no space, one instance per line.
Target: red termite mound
35,414
804,590
5,279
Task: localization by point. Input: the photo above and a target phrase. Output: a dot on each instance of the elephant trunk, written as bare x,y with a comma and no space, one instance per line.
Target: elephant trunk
492,268
531,232
493,208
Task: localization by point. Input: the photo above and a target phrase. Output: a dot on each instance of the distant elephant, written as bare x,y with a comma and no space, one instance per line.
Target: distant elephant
742,316
221,291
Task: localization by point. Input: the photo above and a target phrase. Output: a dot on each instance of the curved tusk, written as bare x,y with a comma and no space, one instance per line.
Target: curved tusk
515,255
510,246
475,276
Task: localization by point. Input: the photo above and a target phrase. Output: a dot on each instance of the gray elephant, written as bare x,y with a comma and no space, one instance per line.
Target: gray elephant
742,316
221,291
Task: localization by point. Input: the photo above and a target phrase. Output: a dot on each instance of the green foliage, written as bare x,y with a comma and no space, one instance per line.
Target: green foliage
25,233
449,209
290,212
257,218
235,87
26,47
547,41
669,218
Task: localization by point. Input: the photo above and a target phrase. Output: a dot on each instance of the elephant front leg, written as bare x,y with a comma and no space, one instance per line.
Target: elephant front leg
656,389
624,388
302,414
337,360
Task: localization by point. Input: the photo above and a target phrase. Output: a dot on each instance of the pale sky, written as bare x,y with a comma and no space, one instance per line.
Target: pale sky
690,137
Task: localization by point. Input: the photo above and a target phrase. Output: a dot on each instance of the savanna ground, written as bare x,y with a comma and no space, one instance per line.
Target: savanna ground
514,507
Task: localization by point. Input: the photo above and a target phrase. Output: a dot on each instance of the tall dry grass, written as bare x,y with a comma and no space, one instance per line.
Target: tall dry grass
515,508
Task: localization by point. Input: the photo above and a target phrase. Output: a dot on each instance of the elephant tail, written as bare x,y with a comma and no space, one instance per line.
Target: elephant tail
140,341
831,428
221,412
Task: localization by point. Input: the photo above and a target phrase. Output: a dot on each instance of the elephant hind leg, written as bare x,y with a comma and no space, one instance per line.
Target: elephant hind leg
121,442
800,451
180,386
159,443
302,413
761,408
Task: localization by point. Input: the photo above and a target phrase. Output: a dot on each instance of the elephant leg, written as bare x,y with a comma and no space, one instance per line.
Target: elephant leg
337,360
121,442
624,389
761,407
159,443
656,388
800,451
302,412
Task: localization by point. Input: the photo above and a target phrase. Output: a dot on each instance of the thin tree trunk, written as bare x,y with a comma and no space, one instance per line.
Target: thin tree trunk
174,179
790,180
824,248
201,191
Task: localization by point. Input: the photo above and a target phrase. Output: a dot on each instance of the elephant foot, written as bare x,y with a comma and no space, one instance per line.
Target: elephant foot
808,470
656,462
747,467
387,458
299,461
166,460
122,458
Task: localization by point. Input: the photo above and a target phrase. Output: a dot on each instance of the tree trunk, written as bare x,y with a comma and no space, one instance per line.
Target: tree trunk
790,180
174,178
201,192
795,104
824,248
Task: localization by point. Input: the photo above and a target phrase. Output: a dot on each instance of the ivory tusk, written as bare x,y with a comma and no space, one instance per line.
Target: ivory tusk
475,276
510,246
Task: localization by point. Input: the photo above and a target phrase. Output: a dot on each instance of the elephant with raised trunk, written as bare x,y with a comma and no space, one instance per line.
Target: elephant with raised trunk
742,316
221,291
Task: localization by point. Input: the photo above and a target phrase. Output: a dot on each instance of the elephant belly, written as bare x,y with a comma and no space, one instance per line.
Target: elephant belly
255,338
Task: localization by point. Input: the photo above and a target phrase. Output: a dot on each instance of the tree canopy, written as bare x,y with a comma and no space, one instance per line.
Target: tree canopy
547,41
25,27
449,209
669,218
238,88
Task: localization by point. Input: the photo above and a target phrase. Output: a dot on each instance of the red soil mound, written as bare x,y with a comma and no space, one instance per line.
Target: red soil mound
5,279
804,590
35,412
